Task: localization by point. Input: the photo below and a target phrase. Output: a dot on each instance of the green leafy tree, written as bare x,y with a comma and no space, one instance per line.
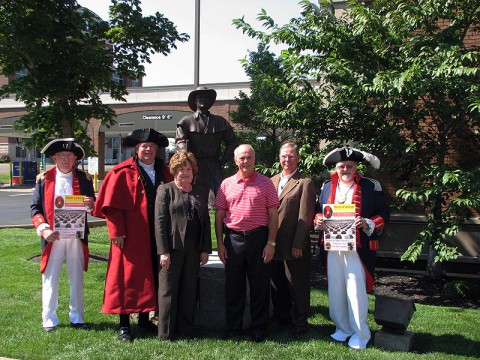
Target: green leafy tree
256,112
400,78
70,55
263,112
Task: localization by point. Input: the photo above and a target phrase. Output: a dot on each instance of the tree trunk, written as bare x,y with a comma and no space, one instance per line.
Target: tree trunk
434,269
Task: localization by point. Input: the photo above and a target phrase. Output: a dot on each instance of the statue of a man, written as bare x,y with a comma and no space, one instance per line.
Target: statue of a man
203,133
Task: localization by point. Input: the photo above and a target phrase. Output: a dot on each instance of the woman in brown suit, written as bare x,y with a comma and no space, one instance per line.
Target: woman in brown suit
182,230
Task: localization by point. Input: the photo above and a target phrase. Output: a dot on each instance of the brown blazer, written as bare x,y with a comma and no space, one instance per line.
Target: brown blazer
295,215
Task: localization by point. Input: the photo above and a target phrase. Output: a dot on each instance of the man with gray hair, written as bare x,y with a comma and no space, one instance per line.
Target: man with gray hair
290,268
247,212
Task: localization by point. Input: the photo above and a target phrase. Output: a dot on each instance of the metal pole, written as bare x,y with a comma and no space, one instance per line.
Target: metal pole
196,73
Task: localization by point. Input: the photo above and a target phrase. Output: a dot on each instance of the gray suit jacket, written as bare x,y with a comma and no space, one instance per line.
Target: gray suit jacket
295,215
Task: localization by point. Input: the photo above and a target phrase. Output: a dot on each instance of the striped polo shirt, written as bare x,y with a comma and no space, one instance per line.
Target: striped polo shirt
246,201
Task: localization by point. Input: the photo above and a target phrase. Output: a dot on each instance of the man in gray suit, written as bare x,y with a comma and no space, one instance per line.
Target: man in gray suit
290,270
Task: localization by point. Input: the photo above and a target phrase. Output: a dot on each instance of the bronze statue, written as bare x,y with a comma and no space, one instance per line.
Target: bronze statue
203,133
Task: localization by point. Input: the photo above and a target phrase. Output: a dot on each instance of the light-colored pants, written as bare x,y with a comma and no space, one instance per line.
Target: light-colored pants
348,299
72,251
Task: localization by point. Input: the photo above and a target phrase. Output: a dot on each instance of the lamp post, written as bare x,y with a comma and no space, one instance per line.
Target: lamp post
196,71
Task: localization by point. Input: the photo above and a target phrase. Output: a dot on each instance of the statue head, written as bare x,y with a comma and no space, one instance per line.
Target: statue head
201,98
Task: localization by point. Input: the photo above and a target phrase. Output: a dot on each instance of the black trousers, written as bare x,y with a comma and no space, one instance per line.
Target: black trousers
291,290
244,261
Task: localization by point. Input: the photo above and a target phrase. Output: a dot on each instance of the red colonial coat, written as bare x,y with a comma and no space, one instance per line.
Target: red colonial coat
122,201
42,208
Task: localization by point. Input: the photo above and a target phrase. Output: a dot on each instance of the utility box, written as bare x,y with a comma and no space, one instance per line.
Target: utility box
392,313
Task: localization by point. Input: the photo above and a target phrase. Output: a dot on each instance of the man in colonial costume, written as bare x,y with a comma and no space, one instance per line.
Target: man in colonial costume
350,274
51,187
126,200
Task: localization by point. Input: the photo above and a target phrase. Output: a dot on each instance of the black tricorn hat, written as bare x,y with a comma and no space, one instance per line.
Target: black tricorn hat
67,144
192,103
348,153
145,135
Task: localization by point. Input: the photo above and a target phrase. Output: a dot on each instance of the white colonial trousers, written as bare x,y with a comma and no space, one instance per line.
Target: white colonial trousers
348,299
71,250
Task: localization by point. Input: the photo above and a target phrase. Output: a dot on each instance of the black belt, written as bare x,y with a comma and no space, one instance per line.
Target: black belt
247,232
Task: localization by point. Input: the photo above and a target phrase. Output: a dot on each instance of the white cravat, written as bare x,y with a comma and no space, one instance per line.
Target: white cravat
149,169
63,183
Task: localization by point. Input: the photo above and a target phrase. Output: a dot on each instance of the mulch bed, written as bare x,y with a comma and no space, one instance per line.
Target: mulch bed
413,286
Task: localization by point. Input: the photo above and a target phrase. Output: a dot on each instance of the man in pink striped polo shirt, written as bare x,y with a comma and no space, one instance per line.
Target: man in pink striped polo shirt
247,213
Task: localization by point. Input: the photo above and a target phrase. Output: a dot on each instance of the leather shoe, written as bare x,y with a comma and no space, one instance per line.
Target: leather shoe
231,333
80,326
257,337
49,328
300,332
148,327
124,334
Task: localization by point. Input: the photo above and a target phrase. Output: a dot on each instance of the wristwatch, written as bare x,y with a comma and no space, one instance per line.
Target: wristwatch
271,243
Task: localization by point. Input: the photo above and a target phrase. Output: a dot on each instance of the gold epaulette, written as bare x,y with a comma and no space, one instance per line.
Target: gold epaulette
40,177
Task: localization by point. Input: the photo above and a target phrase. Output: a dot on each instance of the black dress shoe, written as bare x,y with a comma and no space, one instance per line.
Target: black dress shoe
258,337
231,334
148,327
300,332
80,326
124,334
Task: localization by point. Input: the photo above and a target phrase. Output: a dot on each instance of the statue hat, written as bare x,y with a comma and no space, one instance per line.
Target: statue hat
145,135
348,153
192,103
65,144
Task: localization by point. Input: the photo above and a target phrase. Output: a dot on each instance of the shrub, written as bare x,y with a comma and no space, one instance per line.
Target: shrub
4,158
460,288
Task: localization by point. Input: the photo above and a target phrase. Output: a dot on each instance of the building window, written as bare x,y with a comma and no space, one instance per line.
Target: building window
117,78
135,83
20,151
21,73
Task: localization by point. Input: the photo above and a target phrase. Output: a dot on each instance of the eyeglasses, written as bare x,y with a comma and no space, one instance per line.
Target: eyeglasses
348,167
65,156
146,146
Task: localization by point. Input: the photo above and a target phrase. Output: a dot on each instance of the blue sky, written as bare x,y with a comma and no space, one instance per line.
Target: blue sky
221,44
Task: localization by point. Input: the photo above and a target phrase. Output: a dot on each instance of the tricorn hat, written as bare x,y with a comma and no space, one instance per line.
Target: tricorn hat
212,94
67,144
348,153
145,135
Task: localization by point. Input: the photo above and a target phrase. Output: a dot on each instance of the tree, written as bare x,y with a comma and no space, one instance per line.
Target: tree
70,55
263,111
400,78
267,78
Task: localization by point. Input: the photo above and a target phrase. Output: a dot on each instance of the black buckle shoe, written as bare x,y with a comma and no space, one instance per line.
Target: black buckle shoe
124,334
148,327
80,326
231,334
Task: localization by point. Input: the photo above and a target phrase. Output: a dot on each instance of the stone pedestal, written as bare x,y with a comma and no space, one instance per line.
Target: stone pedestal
211,296
394,341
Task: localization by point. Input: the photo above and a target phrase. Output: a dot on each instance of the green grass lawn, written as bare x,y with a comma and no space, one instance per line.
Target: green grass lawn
5,178
440,332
